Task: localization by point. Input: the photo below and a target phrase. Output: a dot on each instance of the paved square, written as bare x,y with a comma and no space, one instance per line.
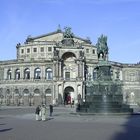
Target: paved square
20,124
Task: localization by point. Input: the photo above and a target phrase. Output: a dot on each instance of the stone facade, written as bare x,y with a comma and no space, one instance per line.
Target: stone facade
53,69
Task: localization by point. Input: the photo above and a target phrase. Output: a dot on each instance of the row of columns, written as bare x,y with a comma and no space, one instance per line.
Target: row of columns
24,100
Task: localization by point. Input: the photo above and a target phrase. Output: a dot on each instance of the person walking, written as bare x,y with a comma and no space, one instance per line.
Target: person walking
72,104
37,112
78,107
43,113
51,109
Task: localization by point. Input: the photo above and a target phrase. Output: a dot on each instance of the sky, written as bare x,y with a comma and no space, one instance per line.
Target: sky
119,20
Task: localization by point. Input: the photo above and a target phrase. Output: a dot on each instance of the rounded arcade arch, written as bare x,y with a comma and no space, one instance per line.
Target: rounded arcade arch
67,55
37,97
69,66
68,95
26,96
8,96
48,95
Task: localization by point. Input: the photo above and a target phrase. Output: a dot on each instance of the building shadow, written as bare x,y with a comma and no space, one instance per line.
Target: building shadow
131,129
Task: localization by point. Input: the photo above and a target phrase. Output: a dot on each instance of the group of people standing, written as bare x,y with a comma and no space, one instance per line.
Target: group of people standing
41,112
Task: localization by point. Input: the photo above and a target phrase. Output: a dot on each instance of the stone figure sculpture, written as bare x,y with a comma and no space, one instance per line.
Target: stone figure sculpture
68,37
68,33
102,48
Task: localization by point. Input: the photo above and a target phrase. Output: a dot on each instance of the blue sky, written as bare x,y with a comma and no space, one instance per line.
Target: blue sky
119,20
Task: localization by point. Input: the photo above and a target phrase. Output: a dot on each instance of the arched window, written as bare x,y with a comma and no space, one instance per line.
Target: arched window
48,91
67,75
49,74
25,92
8,92
37,73
27,73
36,91
17,74
9,74
17,94
16,91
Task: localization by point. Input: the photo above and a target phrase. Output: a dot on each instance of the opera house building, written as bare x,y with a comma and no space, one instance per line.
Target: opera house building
54,69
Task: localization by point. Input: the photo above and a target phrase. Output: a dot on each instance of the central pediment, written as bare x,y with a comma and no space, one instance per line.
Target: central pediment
57,36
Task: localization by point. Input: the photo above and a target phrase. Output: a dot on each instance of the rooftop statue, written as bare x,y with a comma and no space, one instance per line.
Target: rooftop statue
68,37
68,33
59,28
102,48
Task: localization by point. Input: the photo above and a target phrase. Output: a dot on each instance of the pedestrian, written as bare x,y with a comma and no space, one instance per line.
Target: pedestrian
37,112
51,109
43,113
78,107
72,104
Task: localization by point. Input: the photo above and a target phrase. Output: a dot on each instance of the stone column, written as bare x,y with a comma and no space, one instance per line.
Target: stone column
60,70
42,72
78,69
31,72
13,73
21,72
56,69
76,94
5,73
53,94
81,69
83,90
12,98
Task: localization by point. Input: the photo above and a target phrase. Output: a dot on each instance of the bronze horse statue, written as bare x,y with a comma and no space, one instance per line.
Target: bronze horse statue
102,48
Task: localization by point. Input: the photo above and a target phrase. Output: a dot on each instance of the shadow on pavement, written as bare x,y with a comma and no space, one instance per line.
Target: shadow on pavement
48,119
4,130
131,129
2,117
2,123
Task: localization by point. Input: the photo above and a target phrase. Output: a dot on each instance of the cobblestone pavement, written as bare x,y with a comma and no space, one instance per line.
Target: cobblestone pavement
18,123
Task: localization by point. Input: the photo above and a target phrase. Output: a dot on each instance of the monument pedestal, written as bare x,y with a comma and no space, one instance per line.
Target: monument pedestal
135,107
104,95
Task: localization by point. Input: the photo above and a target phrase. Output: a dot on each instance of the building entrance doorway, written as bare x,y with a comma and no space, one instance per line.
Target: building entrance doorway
68,95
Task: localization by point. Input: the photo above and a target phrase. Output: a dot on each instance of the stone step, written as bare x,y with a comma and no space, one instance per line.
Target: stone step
106,110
